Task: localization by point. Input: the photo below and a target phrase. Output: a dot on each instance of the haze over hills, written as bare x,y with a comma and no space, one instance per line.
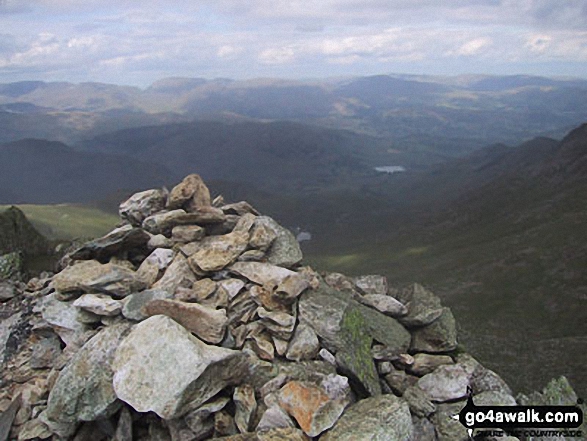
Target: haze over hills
448,116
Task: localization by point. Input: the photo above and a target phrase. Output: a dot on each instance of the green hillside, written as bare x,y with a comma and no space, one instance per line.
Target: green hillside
66,222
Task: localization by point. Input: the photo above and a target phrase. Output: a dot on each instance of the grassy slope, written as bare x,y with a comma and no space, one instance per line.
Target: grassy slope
66,222
515,282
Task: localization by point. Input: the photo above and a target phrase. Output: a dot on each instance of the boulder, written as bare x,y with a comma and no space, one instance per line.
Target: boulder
438,336
91,277
191,193
121,239
385,304
142,205
159,346
383,418
423,306
304,345
178,274
426,363
446,383
262,273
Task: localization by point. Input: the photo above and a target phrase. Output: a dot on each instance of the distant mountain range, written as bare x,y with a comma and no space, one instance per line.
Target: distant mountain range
448,116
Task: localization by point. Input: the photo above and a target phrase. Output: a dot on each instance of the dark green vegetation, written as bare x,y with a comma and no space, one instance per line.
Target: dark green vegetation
508,254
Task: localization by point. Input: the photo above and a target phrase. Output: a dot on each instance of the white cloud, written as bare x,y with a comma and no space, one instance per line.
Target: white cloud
474,47
280,55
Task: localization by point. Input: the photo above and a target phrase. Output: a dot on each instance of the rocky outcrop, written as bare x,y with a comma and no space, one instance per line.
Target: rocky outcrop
196,320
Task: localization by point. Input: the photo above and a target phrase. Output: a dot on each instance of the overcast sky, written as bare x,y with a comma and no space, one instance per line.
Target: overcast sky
137,42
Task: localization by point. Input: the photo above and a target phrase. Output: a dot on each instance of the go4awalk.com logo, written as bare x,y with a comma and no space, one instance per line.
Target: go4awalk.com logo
527,421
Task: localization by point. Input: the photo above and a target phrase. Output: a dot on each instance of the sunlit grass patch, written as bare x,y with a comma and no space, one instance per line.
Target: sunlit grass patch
66,222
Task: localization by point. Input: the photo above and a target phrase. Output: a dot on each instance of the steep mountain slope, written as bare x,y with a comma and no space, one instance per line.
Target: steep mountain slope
39,171
507,254
279,156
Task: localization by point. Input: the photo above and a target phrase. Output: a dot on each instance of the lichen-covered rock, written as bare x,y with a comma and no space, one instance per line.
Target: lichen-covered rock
287,434
178,274
383,418
83,391
159,346
315,407
447,428
11,265
426,363
214,253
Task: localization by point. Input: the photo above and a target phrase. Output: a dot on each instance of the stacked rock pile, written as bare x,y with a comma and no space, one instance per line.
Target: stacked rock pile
195,320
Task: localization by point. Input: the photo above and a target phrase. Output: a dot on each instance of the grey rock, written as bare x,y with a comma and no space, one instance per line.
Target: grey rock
63,316
399,381
385,304
274,418
45,351
83,391
11,265
201,420
207,323
304,345
246,405
163,222
119,240
99,304
290,288
33,429
7,326
159,241
372,284
252,256
178,274
285,250
383,418
262,237
446,383
419,402
239,208
158,346
124,426
7,291
426,363
438,336
423,306
494,398
232,287
133,306
447,428
423,430
7,417
142,205
484,380
262,273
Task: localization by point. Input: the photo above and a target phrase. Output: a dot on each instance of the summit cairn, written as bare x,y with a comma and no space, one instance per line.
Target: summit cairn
196,320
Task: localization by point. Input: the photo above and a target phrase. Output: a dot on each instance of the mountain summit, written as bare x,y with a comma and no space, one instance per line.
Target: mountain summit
196,319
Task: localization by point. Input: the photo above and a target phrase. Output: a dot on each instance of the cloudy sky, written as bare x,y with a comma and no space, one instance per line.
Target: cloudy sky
137,42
